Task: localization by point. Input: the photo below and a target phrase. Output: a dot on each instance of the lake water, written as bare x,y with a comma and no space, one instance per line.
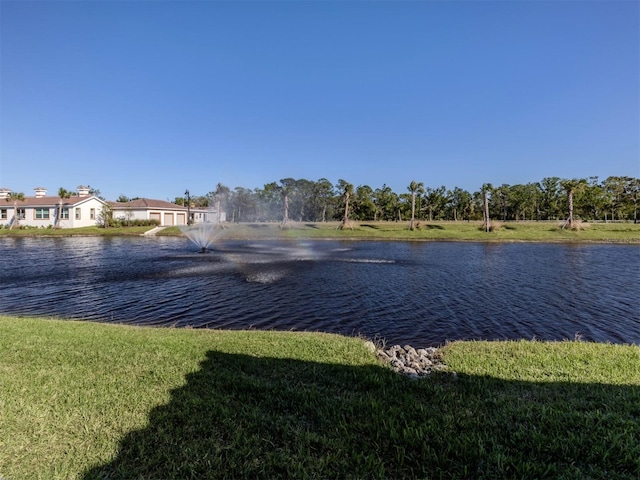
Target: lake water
405,292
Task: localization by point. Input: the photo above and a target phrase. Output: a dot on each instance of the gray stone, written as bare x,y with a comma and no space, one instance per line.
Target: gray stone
411,362
416,366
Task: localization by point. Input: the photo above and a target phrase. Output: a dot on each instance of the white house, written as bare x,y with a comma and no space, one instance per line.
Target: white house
165,213
84,210
41,210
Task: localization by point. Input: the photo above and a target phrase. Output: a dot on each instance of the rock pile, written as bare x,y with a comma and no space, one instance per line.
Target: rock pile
412,362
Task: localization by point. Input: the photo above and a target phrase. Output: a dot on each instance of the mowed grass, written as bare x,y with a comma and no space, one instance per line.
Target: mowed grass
441,230
88,400
445,231
73,232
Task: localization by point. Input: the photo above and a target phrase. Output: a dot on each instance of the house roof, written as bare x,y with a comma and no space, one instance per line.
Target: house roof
146,204
50,201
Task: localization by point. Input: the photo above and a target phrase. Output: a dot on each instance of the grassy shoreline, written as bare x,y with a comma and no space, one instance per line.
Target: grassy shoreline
88,400
625,233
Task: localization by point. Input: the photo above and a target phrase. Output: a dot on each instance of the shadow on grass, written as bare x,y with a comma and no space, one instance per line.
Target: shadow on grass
246,417
311,225
368,225
430,226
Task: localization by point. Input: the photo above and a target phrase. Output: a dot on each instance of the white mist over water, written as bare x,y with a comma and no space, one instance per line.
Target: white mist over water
202,234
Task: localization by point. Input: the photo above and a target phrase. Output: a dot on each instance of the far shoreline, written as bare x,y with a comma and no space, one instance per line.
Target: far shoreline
617,233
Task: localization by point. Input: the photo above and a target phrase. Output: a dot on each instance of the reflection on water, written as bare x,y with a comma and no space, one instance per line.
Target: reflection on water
405,292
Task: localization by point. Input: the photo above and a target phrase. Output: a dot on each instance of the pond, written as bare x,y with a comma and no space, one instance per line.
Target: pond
421,293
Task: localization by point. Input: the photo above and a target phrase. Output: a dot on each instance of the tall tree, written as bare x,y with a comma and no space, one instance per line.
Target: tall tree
221,196
571,187
287,189
502,192
363,206
550,198
346,189
486,190
460,203
270,201
614,187
634,194
435,200
15,197
96,193
386,201
303,199
415,188
243,203
200,201
63,194
322,199
594,199
523,201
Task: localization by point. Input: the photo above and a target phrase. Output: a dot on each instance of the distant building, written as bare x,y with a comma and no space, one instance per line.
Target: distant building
84,210
42,210
165,213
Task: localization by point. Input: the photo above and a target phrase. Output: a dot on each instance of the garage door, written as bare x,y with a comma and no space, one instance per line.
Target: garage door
181,218
155,216
168,218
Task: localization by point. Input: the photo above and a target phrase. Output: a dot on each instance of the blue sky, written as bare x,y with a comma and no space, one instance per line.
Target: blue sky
149,98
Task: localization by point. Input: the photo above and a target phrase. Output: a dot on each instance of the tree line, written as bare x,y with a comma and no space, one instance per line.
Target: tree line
552,198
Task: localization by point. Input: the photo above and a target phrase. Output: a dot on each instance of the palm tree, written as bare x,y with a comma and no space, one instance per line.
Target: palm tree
15,197
461,203
287,188
415,188
347,191
435,200
503,192
634,189
571,187
62,193
486,189
221,193
323,193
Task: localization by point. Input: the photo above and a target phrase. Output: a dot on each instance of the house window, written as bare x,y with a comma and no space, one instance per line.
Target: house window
64,215
3,214
92,214
21,214
77,214
42,213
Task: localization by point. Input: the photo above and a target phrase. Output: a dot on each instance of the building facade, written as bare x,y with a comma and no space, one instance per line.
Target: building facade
81,209
167,214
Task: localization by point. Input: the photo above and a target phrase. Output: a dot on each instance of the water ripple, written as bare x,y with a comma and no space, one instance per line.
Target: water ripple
420,293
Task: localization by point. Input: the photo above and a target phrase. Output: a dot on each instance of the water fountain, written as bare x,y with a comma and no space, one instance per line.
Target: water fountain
202,234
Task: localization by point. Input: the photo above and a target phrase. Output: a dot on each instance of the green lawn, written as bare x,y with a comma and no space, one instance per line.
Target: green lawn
448,231
88,400
73,232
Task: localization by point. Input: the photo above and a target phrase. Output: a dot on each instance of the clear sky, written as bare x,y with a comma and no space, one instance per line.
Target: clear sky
149,98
